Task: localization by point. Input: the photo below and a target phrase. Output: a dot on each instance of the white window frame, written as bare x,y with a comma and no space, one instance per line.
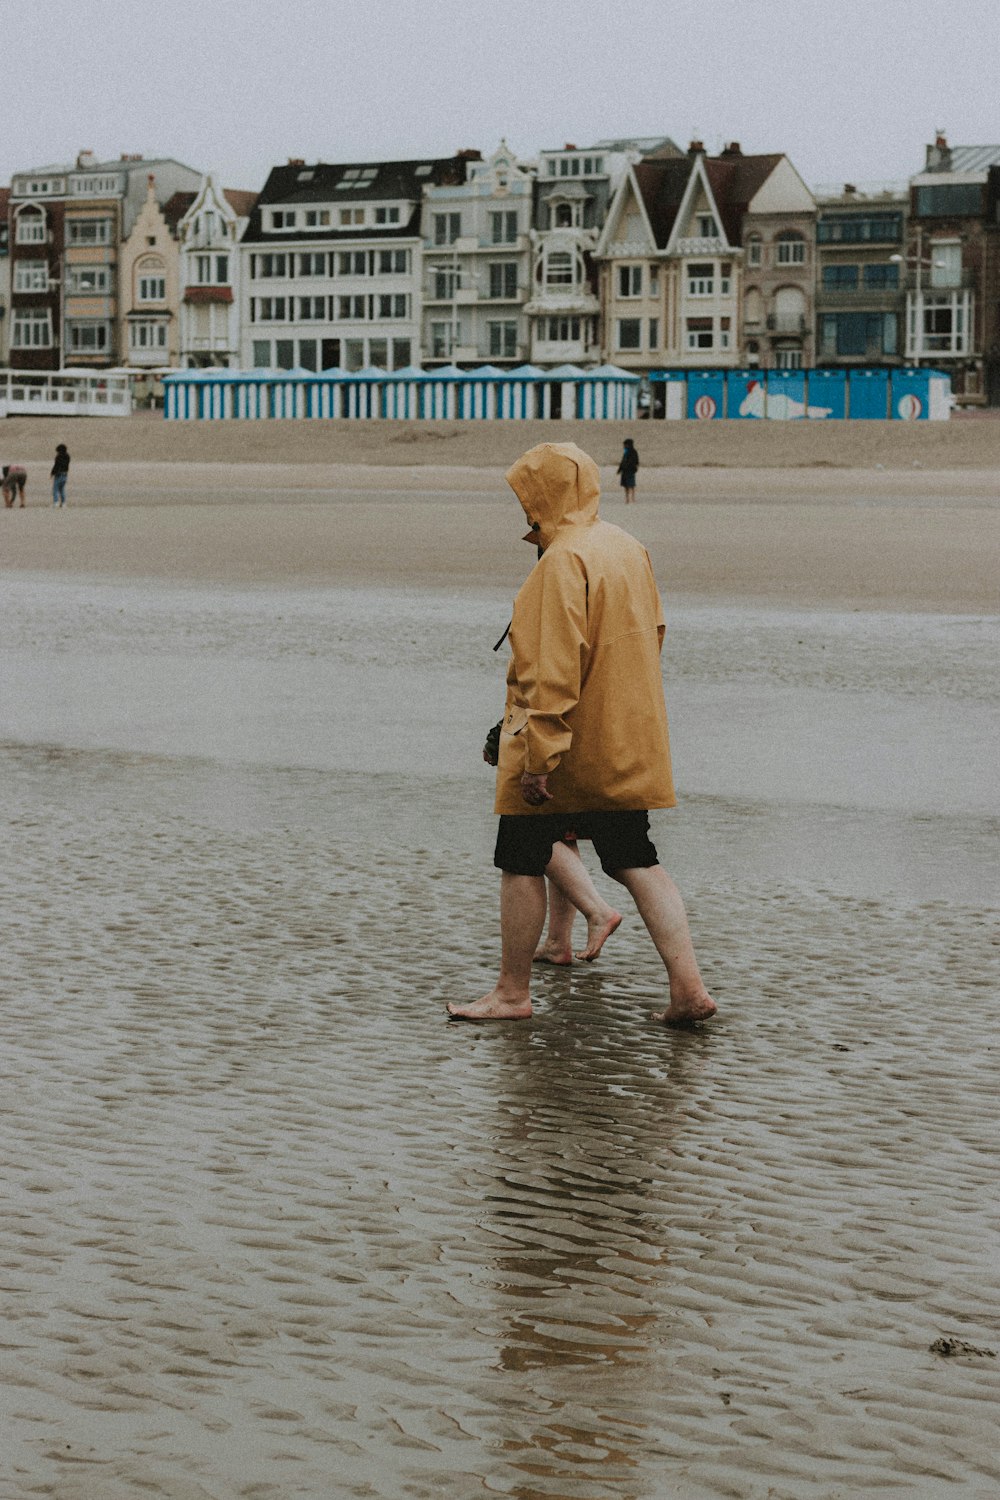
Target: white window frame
317,218
502,338
629,281
32,227
31,276
283,219
447,228
708,229
791,252
560,269
101,236
101,277
442,340
699,340
700,286
147,333
39,320
384,214
755,252
77,345
312,309
152,287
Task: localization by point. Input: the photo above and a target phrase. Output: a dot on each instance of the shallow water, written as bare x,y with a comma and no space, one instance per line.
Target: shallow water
275,1229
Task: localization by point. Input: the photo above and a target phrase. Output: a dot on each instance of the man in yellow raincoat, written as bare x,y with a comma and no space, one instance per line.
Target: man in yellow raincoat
584,743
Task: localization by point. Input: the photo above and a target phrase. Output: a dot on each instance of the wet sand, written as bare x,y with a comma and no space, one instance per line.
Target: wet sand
274,1228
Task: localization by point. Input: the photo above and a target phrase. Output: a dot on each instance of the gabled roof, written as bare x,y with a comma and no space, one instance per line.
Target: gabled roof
734,181
176,207
240,201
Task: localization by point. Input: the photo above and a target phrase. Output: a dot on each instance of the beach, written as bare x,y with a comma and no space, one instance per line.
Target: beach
274,1227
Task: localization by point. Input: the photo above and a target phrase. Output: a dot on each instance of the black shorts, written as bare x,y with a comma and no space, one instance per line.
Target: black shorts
621,839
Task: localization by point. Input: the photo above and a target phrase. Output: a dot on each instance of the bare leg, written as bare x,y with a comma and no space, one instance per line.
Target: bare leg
522,917
661,908
567,870
557,945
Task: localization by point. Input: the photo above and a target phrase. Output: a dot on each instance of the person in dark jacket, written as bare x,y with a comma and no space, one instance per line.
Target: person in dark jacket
14,479
627,467
58,475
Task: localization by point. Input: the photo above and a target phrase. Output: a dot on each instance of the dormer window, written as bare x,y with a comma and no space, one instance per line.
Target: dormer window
707,227
387,216
282,218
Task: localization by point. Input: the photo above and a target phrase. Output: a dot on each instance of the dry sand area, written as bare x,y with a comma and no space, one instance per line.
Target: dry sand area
272,1228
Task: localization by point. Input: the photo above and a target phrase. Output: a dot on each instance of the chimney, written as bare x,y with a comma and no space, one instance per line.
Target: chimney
696,148
849,190
939,155
296,161
469,153
569,146
733,149
85,158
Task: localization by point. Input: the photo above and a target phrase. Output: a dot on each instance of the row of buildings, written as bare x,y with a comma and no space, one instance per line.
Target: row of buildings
633,252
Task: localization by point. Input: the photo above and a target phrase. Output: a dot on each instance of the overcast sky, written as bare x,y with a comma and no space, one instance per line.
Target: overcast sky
851,90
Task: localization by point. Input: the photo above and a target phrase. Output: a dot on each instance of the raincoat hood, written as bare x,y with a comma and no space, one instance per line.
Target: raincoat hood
558,485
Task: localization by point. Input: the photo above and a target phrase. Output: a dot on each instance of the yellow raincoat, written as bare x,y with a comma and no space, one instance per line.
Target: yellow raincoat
584,691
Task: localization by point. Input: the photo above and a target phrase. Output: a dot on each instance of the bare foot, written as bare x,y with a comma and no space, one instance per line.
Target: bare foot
492,1007
688,1012
599,929
550,953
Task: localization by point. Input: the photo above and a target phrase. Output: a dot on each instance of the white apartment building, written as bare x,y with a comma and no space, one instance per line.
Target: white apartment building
477,263
210,263
330,274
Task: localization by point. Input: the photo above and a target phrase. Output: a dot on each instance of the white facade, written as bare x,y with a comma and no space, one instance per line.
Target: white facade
476,253
209,280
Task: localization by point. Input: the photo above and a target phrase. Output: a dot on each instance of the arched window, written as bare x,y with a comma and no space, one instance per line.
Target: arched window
753,308
30,225
564,216
755,251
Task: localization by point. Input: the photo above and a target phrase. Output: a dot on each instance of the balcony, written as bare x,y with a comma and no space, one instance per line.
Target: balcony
786,324
923,281
713,245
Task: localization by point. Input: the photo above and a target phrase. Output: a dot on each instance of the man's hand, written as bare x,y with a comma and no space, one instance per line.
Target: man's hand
534,789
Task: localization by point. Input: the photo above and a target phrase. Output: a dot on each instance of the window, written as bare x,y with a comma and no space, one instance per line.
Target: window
791,250
445,280
351,215
283,218
400,353
654,281
312,308
441,340
700,334
393,305
307,354
31,276
88,231
353,263
755,251
269,309
859,335
788,359
84,281
503,279
630,281
629,333
654,332
352,309
152,287
725,278
312,263
951,200
707,227
944,325
559,268
502,340
32,328
447,228
842,278
378,353
701,280
262,354
858,229
563,330
284,353
265,266
147,333
946,263
387,216
317,218
503,227
31,227
393,262
88,338
881,277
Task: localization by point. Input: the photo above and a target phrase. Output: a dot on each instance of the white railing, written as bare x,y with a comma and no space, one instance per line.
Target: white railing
59,395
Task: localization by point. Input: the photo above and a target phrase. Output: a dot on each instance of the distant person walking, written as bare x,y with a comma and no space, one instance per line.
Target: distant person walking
626,468
14,479
60,469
